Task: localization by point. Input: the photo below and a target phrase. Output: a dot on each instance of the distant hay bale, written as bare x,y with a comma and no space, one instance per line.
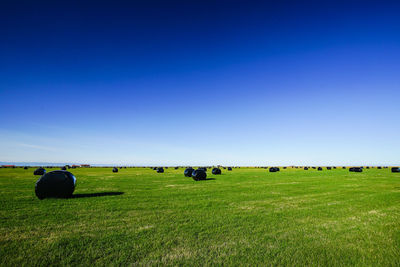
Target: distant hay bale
188,172
64,168
216,171
328,168
319,169
115,169
306,168
60,184
199,174
343,167
25,168
39,171
160,170
229,168
379,167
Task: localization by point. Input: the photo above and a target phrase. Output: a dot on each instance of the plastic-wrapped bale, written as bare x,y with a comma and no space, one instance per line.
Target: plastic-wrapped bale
319,168
155,168
115,169
216,171
188,172
199,174
39,171
343,168
306,168
379,167
284,167
203,168
329,168
60,184
395,169
176,168
64,168
25,168
229,168
273,169
355,169
160,170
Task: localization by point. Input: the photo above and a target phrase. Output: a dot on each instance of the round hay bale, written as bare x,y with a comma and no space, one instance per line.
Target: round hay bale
39,171
216,171
188,172
379,167
64,168
343,168
25,168
273,169
329,168
306,168
319,169
229,168
176,168
115,169
59,184
395,169
199,174
155,168
160,170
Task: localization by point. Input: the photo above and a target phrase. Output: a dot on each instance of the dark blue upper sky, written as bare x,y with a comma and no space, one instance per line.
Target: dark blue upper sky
239,82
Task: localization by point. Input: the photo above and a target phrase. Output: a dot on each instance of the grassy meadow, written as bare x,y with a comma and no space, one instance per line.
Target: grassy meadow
247,216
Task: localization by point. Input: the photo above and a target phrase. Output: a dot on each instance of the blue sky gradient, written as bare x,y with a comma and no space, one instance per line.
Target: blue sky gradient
200,82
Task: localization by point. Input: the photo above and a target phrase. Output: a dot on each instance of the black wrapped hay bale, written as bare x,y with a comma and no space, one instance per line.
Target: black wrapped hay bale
343,168
355,169
115,169
64,168
25,168
306,168
188,172
59,184
319,169
216,171
229,168
273,169
329,168
155,168
160,170
395,169
39,171
199,174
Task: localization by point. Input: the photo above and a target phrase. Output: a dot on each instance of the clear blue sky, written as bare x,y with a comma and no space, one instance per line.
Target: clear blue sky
200,82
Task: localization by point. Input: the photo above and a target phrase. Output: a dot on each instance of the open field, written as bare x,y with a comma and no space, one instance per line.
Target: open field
244,217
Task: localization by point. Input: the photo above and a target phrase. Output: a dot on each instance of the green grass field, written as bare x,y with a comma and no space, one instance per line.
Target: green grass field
244,217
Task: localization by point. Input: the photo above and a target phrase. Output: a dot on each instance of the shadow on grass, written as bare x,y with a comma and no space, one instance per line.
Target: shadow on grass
208,179
102,194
